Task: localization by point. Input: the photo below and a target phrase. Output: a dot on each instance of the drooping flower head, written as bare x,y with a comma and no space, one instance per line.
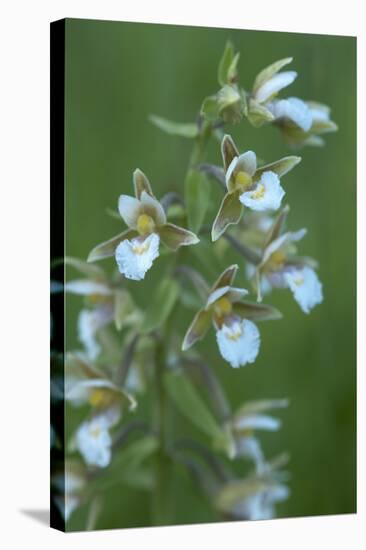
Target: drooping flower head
136,248
249,418
258,189
255,497
237,335
302,122
268,83
107,301
85,383
280,267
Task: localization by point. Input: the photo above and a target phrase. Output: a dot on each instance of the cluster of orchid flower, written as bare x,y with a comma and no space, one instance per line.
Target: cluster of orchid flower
251,218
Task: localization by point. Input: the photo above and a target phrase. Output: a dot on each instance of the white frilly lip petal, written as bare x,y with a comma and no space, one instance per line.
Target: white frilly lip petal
271,197
249,446
293,109
230,170
85,287
258,422
260,505
319,113
149,203
129,209
305,287
94,442
238,342
274,85
247,162
89,322
134,258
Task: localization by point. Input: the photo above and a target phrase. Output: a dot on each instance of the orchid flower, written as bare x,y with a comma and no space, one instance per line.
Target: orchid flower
280,267
136,248
247,185
237,335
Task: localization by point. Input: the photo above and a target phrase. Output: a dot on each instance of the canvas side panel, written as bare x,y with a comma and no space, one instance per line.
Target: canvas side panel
57,72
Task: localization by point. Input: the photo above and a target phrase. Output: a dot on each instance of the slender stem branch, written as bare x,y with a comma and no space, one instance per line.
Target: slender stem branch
196,279
244,250
214,388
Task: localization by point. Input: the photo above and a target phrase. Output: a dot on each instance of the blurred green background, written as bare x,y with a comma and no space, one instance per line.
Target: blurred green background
116,75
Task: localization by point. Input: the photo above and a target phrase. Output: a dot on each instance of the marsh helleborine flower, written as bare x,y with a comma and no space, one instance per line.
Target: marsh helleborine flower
237,335
249,418
258,189
281,268
302,122
136,248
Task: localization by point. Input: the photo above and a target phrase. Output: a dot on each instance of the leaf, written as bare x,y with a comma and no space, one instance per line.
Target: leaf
197,198
161,305
197,329
268,72
174,236
183,129
229,213
191,405
263,405
225,63
279,167
123,306
125,464
256,312
108,248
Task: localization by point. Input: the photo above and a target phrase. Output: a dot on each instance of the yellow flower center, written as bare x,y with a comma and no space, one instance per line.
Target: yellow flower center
95,431
223,306
140,248
259,192
278,258
243,180
299,280
97,397
235,335
145,224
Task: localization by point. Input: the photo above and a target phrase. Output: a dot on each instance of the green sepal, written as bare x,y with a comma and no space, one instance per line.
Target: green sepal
279,167
108,248
197,329
256,312
229,213
268,72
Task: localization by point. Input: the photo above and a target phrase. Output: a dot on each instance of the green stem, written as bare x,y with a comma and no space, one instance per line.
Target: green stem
160,500
200,145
